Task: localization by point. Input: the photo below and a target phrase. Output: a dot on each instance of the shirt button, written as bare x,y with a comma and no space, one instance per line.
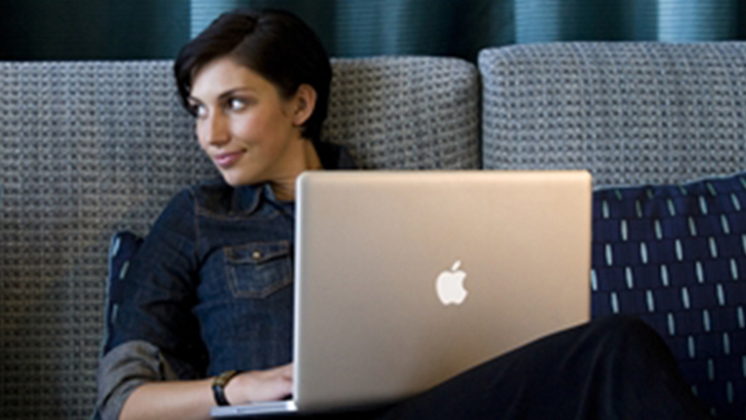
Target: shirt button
256,255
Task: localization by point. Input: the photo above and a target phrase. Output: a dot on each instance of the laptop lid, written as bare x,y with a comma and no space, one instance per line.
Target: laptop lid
405,279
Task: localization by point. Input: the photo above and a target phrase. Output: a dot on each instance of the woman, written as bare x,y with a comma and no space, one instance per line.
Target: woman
207,294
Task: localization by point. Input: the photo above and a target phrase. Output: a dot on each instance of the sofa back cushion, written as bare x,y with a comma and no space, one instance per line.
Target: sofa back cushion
406,112
90,148
631,113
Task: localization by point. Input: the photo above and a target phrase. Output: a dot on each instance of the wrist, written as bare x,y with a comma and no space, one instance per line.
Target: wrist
235,390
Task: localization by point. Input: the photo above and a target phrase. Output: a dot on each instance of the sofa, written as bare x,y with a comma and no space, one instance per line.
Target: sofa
88,149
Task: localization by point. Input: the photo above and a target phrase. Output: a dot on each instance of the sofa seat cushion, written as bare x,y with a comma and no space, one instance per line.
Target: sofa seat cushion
675,255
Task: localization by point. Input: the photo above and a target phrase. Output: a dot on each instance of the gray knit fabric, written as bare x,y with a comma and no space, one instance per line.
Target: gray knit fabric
630,112
88,148
406,112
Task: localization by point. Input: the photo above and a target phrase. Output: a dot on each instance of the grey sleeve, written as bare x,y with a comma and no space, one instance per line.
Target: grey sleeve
125,368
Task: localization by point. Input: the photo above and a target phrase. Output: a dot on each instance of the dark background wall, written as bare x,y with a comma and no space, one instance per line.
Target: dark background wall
92,29
144,29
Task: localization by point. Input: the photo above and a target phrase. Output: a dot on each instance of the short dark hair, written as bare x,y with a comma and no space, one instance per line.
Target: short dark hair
276,44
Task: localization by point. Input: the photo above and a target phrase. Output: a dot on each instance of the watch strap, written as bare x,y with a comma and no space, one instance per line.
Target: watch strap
218,386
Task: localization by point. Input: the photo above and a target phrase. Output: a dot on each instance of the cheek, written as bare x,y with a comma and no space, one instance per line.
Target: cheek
259,127
245,129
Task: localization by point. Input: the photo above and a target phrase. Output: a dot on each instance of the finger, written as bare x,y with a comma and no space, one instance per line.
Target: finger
285,371
282,388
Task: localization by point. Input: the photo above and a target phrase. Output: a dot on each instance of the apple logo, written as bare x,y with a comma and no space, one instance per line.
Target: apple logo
450,285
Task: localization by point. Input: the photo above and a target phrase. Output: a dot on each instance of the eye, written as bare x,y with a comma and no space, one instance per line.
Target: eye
236,104
198,110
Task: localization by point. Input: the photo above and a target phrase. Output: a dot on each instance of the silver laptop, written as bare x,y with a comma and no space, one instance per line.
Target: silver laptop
405,279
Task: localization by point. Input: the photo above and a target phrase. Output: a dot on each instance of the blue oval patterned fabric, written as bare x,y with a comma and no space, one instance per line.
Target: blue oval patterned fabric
122,248
675,255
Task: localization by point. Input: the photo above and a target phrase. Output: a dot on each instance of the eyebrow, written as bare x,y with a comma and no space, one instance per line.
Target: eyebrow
225,94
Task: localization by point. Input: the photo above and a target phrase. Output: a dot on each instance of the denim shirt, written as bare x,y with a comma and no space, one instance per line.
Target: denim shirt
210,288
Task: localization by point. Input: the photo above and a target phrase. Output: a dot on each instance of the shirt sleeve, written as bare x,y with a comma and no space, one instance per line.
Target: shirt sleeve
125,368
153,334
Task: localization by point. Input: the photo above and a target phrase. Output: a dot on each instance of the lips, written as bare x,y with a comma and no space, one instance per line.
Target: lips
225,160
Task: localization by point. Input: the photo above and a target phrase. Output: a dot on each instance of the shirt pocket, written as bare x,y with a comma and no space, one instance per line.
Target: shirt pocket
258,269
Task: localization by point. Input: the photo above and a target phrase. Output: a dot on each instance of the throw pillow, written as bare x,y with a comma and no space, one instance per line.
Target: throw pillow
675,255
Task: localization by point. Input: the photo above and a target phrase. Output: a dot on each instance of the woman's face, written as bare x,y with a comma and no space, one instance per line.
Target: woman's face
250,132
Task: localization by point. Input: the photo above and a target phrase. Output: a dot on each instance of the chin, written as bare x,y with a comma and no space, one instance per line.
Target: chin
231,182
237,180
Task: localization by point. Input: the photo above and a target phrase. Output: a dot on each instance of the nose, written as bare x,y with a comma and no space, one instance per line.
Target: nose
213,129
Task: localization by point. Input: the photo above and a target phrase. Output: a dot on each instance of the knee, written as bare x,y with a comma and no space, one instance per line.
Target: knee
625,323
621,332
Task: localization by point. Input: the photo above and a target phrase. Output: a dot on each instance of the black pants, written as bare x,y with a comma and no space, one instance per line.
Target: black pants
612,368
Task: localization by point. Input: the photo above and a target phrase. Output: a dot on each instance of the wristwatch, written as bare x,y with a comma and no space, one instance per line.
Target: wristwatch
218,386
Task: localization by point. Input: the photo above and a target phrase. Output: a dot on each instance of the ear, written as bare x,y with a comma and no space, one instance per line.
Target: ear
305,103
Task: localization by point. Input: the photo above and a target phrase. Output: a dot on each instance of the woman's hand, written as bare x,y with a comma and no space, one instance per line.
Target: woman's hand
262,385
192,399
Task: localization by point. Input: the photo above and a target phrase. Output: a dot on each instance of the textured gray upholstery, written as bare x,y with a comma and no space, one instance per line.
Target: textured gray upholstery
630,112
406,112
88,148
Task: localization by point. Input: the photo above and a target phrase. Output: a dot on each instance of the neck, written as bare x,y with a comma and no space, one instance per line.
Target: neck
284,188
